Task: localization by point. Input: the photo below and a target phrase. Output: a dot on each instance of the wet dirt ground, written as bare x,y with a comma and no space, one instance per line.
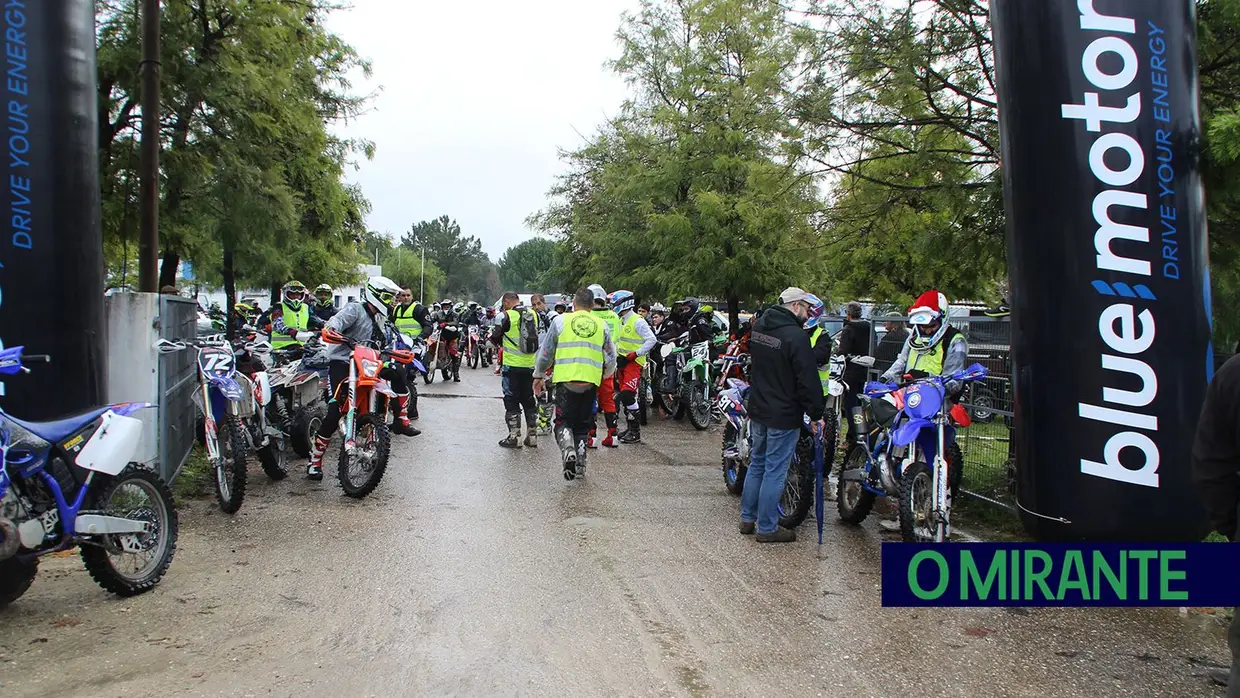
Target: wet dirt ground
475,570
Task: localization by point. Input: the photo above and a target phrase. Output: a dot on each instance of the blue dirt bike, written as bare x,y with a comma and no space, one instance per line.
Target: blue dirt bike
798,492
71,482
907,448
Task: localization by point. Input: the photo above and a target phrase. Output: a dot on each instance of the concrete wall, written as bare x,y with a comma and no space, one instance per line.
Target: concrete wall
132,362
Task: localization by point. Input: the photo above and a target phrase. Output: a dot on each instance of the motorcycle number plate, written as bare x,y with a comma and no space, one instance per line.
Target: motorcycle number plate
215,361
701,351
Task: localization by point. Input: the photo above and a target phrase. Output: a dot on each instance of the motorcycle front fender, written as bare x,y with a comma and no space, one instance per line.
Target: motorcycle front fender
262,388
694,368
907,432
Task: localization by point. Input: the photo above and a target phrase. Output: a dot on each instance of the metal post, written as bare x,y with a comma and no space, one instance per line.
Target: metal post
148,238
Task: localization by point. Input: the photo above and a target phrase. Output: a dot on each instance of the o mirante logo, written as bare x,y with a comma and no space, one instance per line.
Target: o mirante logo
584,326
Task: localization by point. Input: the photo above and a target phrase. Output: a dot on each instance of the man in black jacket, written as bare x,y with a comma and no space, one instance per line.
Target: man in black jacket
784,387
854,341
1216,471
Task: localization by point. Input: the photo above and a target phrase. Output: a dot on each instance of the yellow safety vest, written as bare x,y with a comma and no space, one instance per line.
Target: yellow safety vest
931,361
579,349
824,371
612,320
513,356
630,341
406,323
294,320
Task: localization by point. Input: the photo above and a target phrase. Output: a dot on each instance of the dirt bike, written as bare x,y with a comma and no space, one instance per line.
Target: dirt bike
72,482
366,438
798,494
906,448
449,365
473,346
687,388
233,404
836,387
299,385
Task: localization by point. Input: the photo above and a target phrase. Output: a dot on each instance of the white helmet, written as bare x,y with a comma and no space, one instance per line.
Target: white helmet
380,293
599,293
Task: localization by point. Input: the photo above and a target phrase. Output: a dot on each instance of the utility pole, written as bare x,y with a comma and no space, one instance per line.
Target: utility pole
148,172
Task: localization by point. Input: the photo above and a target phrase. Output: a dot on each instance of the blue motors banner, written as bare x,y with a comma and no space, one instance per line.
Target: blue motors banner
1106,234
51,250
1061,574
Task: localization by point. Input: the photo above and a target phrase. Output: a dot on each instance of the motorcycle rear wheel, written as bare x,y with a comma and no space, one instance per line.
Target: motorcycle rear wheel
162,514
798,495
16,576
230,469
853,501
305,425
369,478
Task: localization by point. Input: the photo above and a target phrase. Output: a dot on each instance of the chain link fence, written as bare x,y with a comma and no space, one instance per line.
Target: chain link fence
178,377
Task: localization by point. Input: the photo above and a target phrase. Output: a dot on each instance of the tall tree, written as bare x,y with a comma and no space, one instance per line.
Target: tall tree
525,266
404,266
465,266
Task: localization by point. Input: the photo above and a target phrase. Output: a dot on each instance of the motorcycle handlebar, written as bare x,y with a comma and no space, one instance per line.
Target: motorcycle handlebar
36,358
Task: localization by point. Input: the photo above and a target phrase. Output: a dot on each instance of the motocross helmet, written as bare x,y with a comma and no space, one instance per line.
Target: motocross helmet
928,320
445,305
459,309
816,308
623,301
600,296
473,306
380,294
247,311
323,294
561,307
294,293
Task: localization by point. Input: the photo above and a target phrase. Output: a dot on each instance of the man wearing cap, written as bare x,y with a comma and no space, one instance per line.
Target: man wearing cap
784,387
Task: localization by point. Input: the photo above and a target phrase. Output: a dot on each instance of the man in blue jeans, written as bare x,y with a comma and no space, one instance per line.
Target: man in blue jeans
784,387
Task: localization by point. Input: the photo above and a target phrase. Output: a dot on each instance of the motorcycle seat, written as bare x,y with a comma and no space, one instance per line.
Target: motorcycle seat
56,430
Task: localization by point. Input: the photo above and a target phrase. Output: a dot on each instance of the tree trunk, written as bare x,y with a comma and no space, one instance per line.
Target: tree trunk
168,269
275,293
734,313
230,290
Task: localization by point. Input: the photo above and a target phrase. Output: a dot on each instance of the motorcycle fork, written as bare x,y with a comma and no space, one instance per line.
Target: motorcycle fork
351,405
942,498
208,420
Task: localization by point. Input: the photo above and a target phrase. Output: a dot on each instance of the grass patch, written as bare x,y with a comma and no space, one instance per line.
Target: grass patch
987,521
194,480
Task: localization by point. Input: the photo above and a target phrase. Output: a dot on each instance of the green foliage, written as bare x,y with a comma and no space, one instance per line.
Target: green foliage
404,266
467,271
252,188
529,267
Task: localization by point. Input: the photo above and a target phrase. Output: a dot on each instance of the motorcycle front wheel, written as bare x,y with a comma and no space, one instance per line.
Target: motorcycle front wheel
474,359
917,504
734,469
699,407
230,467
132,564
361,471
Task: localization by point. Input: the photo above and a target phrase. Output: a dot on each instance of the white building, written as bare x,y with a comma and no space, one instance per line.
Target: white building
344,294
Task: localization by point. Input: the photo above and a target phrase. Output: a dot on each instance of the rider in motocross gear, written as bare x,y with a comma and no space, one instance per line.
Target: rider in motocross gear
291,316
324,308
934,348
448,315
633,345
364,320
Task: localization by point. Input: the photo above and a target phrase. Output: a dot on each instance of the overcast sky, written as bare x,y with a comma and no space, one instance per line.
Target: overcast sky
475,98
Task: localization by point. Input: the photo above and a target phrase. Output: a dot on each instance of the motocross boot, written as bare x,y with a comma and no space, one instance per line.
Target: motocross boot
531,429
413,403
314,471
612,422
513,440
633,434
456,369
592,439
581,459
568,451
401,424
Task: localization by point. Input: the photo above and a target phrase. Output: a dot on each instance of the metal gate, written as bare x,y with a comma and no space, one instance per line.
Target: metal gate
178,377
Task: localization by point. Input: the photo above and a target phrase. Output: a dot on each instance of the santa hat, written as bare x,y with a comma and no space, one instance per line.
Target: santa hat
930,302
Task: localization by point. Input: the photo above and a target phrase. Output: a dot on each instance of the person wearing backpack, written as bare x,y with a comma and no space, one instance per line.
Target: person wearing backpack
517,334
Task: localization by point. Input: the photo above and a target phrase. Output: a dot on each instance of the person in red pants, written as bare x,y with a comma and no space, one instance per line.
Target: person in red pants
633,345
607,391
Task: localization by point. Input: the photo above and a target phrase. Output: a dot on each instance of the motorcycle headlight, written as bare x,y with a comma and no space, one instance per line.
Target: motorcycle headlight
369,367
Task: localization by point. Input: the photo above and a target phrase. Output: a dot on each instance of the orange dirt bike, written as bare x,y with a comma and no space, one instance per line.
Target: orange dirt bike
367,438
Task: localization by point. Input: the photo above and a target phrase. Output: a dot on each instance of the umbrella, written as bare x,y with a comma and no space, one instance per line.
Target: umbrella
819,476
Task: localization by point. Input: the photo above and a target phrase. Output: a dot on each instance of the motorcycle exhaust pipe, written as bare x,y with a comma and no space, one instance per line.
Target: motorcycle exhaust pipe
859,430
10,540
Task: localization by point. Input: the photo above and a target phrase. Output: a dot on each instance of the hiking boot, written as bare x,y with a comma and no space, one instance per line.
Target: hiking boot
747,528
404,428
781,535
